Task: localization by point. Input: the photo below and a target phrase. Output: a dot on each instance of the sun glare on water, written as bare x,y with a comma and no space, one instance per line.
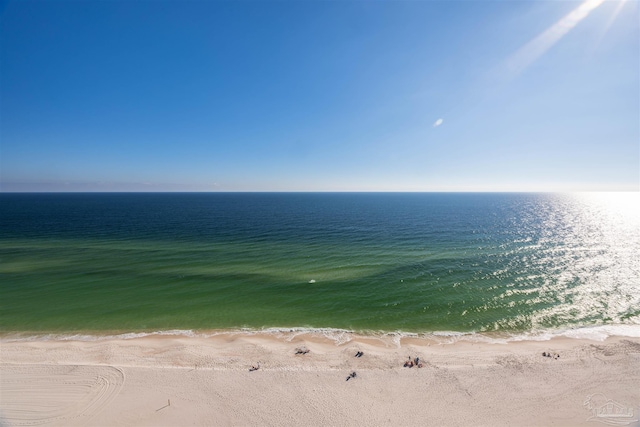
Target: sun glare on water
625,205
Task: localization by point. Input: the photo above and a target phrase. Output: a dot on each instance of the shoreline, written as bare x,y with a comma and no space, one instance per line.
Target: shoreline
338,336
166,380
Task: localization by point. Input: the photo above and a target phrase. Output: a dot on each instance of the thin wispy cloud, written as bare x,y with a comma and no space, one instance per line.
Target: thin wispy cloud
438,123
532,51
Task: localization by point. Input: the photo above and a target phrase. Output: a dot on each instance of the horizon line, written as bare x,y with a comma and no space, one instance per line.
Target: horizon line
316,191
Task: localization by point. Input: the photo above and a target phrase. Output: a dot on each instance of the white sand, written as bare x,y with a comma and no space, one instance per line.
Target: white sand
180,381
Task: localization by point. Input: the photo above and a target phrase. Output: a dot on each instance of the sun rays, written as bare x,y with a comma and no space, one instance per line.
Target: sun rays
613,17
532,51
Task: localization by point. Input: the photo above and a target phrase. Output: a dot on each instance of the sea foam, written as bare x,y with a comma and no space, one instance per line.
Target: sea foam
343,336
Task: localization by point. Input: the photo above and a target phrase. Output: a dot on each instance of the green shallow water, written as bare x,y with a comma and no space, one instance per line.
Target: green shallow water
362,262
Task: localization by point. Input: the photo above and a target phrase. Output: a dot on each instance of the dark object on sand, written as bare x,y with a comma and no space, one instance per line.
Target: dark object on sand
302,350
254,368
351,375
359,354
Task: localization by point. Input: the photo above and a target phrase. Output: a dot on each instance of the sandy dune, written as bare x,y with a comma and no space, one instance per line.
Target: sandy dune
175,381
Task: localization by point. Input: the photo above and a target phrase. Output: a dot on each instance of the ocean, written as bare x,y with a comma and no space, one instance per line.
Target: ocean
481,264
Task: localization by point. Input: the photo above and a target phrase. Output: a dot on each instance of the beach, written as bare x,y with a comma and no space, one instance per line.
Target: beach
175,380
153,309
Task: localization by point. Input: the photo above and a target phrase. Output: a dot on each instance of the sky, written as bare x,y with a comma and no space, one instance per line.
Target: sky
331,95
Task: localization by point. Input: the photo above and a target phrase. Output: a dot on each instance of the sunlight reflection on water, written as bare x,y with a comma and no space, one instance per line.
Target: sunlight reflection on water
590,261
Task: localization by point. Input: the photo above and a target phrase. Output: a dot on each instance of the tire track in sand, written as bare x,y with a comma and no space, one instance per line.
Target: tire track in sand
45,394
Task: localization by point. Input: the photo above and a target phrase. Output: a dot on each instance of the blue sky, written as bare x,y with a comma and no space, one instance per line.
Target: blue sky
320,95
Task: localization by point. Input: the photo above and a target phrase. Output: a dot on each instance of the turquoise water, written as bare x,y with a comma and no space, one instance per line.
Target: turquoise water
359,262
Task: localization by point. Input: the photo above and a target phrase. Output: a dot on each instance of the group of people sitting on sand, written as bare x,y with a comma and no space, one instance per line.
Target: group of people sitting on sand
411,363
549,354
302,350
